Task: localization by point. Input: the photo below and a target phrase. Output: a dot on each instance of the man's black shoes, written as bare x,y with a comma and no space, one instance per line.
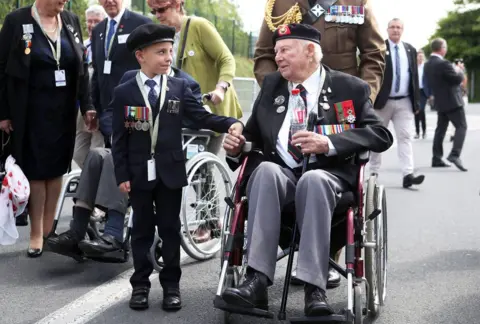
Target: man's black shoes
410,180
252,293
139,299
316,302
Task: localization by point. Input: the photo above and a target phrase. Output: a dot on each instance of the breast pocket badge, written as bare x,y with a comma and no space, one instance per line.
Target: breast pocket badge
173,107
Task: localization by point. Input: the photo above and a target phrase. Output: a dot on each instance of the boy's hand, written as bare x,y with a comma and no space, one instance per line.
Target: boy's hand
125,187
234,140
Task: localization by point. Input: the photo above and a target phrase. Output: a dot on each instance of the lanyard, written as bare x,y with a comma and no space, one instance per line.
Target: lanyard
58,51
153,125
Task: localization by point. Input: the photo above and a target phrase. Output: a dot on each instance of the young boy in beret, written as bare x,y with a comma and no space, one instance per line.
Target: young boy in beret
149,160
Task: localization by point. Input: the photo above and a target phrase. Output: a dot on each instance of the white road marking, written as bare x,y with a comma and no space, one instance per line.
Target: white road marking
98,300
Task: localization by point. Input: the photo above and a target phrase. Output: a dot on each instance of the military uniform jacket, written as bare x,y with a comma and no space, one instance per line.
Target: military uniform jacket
131,148
341,43
367,135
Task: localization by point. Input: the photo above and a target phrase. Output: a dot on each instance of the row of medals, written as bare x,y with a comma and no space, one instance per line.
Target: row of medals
138,125
345,18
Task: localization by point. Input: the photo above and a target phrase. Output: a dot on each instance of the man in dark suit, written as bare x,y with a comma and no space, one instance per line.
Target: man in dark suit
348,125
445,81
110,57
399,99
148,111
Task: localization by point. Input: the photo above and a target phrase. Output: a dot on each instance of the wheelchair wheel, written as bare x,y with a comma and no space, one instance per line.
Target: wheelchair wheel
203,205
358,305
375,257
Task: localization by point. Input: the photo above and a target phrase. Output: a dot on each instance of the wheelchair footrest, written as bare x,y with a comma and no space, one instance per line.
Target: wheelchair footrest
222,305
334,318
374,214
118,256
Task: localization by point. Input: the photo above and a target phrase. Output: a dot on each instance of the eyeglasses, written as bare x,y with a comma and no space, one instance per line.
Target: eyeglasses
159,10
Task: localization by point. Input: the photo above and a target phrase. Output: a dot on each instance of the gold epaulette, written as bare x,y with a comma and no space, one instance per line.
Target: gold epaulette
292,16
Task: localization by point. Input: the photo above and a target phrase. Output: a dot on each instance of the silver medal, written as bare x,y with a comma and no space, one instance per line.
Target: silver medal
145,126
351,119
325,106
138,125
77,40
279,100
329,90
280,109
27,37
325,98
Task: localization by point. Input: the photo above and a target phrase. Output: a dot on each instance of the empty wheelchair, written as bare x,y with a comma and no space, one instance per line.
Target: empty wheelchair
359,223
202,203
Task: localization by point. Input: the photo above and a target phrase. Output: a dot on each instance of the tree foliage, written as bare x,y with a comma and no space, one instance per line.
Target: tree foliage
461,29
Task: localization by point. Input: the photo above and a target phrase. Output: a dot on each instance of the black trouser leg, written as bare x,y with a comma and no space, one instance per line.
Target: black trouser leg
458,119
442,125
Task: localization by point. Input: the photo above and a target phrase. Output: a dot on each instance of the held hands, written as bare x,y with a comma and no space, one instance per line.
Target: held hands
91,120
6,126
125,187
234,140
310,142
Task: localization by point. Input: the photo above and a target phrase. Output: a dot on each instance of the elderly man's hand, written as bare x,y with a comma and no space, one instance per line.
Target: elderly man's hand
310,142
91,120
234,140
6,126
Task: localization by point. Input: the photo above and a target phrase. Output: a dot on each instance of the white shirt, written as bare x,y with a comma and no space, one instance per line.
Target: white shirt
404,70
420,75
117,19
437,55
311,85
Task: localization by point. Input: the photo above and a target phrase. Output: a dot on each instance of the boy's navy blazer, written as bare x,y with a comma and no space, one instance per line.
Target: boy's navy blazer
131,148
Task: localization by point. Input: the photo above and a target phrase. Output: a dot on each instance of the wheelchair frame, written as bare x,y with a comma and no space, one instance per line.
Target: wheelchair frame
359,230
70,186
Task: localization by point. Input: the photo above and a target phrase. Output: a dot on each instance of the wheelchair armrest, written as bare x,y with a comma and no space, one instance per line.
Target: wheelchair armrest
249,147
362,158
198,133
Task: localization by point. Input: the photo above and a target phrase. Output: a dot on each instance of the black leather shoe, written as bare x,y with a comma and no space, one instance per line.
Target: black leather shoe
333,278
172,301
437,163
316,302
139,299
106,243
252,293
458,163
410,180
34,253
65,244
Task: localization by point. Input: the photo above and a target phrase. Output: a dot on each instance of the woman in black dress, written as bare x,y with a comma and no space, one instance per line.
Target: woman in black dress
43,81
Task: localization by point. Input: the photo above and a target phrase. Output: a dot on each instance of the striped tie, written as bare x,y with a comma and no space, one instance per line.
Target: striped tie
295,151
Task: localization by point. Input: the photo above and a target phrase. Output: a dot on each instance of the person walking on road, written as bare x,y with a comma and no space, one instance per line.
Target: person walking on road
399,99
420,116
445,81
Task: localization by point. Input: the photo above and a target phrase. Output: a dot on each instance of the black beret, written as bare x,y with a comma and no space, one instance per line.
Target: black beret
149,34
297,31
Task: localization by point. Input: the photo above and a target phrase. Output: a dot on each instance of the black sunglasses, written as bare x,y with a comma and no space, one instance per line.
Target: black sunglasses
159,10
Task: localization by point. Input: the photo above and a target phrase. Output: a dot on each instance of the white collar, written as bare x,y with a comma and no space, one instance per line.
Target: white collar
118,17
392,44
437,55
145,78
312,82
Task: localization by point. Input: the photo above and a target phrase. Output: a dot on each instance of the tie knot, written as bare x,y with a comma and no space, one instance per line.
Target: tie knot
151,83
301,88
113,22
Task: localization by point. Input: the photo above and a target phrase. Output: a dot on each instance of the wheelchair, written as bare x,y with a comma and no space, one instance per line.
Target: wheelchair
208,181
359,223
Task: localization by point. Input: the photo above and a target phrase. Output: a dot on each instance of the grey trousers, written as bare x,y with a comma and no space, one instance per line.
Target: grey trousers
316,193
85,141
98,186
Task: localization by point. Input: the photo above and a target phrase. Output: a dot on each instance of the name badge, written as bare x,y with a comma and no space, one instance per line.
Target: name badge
27,29
122,39
152,174
60,78
107,67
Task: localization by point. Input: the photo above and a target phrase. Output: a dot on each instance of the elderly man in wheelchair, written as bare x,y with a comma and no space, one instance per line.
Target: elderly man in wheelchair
346,126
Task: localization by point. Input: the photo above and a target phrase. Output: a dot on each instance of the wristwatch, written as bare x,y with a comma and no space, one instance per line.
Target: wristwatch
224,85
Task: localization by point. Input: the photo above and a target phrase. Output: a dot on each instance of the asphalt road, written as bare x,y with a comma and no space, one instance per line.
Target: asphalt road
434,261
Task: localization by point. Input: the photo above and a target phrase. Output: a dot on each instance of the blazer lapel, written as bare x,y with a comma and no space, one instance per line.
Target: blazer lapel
102,37
22,68
123,21
279,108
74,39
326,109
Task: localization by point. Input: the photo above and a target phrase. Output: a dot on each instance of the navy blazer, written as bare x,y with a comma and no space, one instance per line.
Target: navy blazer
194,86
131,148
122,61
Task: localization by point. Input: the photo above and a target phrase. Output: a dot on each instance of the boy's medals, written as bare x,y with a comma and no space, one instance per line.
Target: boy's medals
138,125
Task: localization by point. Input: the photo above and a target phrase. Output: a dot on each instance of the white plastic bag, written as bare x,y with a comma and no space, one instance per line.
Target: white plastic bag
13,200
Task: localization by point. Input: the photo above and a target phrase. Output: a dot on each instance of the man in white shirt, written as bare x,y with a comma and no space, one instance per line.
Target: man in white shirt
347,125
399,100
